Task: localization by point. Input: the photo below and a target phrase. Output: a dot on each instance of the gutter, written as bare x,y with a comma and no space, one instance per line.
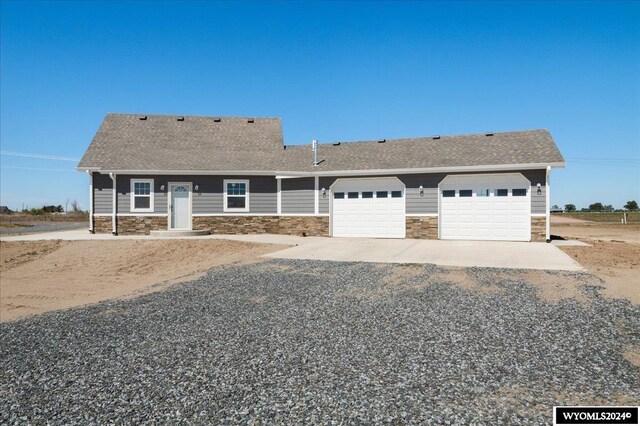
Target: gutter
548,202
284,174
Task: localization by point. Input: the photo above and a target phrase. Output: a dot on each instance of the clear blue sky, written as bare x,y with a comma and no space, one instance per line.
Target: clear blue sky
331,71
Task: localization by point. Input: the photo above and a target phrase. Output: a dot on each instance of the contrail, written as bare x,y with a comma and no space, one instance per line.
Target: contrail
40,156
38,168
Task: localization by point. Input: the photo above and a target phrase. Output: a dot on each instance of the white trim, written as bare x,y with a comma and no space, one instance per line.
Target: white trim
548,201
538,215
257,214
316,198
457,169
129,214
133,196
246,196
169,184
90,201
292,174
279,196
421,214
480,174
114,206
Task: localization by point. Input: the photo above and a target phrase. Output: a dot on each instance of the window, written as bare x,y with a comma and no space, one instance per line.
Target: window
338,195
352,194
449,193
519,192
502,192
482,193
396,194
466,193
142,195
382,194
236,195
367,195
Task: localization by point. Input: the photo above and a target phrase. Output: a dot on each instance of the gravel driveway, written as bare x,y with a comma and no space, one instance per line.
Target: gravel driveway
314,342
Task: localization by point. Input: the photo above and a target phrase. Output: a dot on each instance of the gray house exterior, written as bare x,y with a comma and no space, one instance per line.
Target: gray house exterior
235,175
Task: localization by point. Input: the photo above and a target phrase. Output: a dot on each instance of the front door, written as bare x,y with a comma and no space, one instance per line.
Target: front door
180,206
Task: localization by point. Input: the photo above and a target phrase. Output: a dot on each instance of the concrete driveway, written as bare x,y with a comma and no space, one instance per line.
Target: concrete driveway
496,254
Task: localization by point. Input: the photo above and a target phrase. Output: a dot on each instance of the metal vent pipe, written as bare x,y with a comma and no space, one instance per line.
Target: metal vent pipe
314,145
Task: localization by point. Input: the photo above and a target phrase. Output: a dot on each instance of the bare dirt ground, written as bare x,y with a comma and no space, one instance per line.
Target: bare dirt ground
614,255
41,276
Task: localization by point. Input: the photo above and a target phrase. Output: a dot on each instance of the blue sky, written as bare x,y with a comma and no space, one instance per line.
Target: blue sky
331,71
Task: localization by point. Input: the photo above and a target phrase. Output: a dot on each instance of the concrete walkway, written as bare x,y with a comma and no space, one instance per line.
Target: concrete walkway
84,235
495,254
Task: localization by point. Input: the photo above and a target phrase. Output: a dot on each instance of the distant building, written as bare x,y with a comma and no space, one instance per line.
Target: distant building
5,210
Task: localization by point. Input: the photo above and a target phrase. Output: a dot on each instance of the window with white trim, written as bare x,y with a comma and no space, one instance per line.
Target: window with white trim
142,195
236,195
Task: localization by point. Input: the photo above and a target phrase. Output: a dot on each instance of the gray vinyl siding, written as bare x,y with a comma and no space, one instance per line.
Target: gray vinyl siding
538,202
102,194
428,202
297,196
208,198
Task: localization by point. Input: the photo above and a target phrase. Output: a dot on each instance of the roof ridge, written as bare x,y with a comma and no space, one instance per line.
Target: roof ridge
133,114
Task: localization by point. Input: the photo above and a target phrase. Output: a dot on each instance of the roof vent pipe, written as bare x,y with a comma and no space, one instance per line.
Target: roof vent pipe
314,145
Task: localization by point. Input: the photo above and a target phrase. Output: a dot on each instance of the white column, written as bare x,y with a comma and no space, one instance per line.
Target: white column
316,197
114,205
90,201
548,190
279,196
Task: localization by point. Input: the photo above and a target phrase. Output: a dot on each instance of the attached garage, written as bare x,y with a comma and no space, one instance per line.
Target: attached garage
368,207
485,207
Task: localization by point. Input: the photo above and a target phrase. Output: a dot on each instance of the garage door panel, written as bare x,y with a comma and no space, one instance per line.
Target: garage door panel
485,215
367,215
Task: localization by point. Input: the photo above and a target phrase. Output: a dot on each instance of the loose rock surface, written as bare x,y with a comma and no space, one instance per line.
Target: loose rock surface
300,342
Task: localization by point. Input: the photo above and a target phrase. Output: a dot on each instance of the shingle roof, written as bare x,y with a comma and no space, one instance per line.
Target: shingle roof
162,142
521,147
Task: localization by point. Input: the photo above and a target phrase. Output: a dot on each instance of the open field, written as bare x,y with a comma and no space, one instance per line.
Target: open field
614,255
40,276
612,217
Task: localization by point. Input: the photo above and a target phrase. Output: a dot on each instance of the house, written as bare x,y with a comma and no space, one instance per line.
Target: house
235,175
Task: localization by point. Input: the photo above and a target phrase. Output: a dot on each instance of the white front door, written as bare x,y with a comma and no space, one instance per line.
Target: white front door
485,207
180,206
368,208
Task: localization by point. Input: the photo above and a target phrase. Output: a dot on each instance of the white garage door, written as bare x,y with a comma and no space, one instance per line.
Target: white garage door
368,208
485,207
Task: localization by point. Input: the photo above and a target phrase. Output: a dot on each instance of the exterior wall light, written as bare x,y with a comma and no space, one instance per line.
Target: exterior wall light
161,187
324,193
539,191
421,189
196,187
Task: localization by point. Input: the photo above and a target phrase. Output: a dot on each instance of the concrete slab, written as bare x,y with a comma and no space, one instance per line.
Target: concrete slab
496,254
569,243
85,235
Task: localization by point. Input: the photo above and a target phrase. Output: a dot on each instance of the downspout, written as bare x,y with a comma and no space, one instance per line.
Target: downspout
548,191
114,228
91,230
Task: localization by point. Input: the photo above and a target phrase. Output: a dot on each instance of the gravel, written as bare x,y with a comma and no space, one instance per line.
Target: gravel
32,228
301,342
